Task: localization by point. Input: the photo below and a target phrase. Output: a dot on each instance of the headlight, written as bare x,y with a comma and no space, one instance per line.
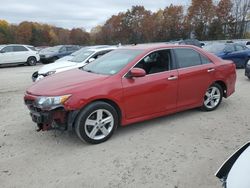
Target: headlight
50,73
51,102
248,63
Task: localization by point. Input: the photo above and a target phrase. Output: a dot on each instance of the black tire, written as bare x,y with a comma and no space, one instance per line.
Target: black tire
84,131
54,59
31,61
211,99
248,76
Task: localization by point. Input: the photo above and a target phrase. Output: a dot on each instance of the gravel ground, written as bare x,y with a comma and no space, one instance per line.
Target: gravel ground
183,150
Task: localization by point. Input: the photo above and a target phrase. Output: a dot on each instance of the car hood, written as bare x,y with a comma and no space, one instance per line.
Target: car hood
56,65
65,83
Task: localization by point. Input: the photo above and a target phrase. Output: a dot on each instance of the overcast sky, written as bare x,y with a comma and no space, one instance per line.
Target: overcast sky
73,13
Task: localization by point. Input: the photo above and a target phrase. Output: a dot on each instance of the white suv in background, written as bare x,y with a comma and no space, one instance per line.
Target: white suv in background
16,53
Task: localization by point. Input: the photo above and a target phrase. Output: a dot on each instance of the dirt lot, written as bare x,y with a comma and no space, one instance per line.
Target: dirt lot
178,151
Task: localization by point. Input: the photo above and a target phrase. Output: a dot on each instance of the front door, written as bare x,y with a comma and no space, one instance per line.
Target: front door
155,92
7,55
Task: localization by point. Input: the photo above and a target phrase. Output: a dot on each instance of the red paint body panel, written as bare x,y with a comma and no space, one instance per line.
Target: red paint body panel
139,98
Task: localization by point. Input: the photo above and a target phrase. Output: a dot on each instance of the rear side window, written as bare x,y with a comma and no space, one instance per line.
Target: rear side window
19,49
205,60
188,57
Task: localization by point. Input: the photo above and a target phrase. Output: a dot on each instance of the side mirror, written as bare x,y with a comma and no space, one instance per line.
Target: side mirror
137,72
91,59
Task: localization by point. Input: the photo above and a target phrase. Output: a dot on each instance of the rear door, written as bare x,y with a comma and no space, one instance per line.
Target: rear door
157,91
196,73
21,54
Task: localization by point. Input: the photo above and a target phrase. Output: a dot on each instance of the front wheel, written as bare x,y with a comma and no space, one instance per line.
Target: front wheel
31,61
96,123
212,98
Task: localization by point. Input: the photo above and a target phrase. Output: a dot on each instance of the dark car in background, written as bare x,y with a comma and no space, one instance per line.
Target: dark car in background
238,53
247,69
49,55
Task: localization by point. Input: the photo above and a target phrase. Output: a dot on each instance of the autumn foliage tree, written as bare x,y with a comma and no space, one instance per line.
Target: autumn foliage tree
200,15
204,20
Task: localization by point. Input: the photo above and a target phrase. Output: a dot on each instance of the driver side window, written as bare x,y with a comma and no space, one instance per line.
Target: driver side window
156,62
7,49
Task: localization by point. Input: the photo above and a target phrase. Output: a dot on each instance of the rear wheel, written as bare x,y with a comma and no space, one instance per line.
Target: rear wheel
96,123
31,61
212,98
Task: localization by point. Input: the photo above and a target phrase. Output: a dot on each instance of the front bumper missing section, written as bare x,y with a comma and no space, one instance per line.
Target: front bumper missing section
58,118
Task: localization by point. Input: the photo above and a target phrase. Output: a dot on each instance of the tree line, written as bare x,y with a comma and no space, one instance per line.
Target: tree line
204,20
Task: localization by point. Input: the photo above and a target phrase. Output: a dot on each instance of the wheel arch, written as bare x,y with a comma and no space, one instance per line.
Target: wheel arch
113,104
74,114
31,56
223,86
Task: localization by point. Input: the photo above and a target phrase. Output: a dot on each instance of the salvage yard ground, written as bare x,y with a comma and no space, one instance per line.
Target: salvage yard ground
183,150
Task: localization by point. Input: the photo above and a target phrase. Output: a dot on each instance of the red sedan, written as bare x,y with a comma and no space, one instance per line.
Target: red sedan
129,85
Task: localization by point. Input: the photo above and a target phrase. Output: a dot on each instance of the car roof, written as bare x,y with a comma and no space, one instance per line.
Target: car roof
15,45
102,49
5,45
156,46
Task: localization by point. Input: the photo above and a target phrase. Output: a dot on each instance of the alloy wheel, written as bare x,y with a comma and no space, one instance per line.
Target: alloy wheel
212,97
99,124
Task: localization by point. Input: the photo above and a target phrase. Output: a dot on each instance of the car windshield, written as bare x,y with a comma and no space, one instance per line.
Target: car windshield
2,46
112,62
214,48
52,49
82,55
78,51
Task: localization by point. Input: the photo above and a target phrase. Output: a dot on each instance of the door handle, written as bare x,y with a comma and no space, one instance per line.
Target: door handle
173,78
211,70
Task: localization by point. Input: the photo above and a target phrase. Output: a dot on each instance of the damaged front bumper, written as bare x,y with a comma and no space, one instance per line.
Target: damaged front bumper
57,118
